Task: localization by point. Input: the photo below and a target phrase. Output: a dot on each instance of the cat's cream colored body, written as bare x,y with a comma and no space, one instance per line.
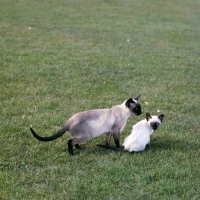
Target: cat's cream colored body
92,123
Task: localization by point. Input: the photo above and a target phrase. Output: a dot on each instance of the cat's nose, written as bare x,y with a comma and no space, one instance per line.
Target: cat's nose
155,127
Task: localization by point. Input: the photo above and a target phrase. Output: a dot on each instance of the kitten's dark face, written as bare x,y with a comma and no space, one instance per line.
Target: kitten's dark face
134,106
154,121
154,125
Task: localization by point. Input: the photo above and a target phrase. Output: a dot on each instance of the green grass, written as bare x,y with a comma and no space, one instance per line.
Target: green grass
62,57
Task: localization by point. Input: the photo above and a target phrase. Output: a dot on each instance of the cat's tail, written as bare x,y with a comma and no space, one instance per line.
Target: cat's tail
109,147
47,139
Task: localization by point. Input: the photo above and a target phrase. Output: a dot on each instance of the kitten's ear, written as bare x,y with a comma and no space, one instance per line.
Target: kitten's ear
130,103
148,116
161,117
136,98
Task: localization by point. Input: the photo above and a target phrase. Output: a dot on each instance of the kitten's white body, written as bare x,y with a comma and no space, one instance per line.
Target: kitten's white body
140,134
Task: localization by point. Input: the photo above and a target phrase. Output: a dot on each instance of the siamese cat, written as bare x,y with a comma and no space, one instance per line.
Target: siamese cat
139,138
92,123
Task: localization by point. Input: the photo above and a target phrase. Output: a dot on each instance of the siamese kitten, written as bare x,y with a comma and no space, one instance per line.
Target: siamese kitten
140,134
92,123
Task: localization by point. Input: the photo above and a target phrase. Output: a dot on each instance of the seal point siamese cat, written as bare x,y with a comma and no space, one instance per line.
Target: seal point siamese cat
92,123
139,138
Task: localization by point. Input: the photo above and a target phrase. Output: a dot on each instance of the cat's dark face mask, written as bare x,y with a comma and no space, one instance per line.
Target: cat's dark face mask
134,106
137,110
154,125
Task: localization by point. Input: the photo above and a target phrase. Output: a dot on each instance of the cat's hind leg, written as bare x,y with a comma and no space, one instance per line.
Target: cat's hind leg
73,142
70,147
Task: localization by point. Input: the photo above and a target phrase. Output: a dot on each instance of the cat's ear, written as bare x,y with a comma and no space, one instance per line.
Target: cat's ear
136,98
130,103
148,116
161,117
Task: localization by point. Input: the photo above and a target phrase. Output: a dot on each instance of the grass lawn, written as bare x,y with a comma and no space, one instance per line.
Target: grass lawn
66,56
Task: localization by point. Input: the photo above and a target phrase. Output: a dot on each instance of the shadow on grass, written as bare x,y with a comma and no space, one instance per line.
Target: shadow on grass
91,150
177,145
156,145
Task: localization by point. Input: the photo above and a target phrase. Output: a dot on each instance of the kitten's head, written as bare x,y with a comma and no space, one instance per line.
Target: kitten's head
154,121
133,105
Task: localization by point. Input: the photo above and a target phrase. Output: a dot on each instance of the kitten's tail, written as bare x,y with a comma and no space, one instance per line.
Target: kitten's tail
47,139
109,147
